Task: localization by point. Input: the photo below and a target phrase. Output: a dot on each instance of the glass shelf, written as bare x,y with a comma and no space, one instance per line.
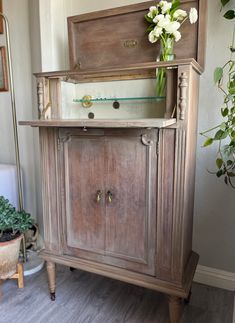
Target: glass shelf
145,98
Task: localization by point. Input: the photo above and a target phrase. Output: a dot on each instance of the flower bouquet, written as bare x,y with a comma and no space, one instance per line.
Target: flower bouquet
165,20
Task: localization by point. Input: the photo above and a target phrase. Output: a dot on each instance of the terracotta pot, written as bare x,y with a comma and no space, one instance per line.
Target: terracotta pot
9,256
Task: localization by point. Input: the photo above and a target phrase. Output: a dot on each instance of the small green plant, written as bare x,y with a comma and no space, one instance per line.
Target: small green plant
224,133
12,222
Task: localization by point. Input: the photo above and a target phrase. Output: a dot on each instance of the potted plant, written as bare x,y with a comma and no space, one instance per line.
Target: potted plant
223,134
12,226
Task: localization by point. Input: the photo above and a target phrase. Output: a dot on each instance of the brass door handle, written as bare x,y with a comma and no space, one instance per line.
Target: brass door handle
99,196
110,196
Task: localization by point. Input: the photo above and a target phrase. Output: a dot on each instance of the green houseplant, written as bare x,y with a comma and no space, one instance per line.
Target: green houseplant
223,134
13,224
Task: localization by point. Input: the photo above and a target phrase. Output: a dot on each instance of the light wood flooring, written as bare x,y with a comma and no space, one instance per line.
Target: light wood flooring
87,298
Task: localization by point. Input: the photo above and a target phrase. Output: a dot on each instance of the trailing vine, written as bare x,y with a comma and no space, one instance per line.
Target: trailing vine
224,133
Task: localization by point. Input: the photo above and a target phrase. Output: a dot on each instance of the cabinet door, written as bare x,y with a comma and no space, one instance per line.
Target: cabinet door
82,158
131,162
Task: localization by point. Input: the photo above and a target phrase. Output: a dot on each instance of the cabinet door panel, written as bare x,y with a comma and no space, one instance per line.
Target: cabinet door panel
131,215
83,170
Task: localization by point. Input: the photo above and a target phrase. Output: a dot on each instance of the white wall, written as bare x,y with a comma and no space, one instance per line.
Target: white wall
18,16
214,225
214,222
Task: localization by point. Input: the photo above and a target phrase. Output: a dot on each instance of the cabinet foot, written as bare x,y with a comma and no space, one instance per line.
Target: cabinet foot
51,278
53,296
187,300
175,308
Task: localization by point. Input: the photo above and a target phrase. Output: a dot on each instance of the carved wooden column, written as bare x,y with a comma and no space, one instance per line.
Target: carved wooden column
183,85
51,278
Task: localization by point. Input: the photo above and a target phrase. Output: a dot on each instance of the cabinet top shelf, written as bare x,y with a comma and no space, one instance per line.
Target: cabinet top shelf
144,68
141,99
102,123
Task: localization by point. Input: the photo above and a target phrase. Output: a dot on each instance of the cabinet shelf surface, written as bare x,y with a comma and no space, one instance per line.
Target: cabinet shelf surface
103,123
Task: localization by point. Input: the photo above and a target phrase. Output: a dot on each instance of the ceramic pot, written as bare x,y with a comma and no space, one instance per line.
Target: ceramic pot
9,256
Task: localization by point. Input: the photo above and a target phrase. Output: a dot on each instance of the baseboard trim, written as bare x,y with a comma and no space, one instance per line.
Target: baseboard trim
215,277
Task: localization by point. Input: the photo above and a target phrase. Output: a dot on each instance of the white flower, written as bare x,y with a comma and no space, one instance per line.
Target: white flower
152,12
165,6
158,31
177,35
193,16
172,27
158,18
180,14
152,37
163,22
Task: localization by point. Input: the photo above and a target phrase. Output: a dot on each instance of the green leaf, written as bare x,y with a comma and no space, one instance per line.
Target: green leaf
218,74
226,180
219,173
148,19
230,14
223,126
229,162
231,174
232,63
220,135
233,134
175,5
224,112
208,142
224,2
232,49
219,162
150,28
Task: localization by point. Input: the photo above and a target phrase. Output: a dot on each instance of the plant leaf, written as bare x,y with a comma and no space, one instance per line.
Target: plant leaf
150,28
208,142
219,173
219,162
220,135
230,14
232,49
226,180
148,19
224,2
233,62
218,74
224,112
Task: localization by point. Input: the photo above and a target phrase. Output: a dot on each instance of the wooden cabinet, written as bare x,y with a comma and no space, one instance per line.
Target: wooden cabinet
109,184
118,191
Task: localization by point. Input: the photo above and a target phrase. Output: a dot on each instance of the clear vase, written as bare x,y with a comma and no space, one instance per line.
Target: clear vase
166,54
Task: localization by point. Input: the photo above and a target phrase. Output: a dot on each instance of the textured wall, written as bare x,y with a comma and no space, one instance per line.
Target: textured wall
18,16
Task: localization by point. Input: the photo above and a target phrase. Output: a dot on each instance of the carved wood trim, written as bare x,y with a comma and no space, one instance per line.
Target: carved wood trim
44,100
183,87
40,93
146,141
178,204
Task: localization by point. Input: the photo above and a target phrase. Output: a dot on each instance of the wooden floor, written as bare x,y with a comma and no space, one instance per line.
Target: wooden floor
88,298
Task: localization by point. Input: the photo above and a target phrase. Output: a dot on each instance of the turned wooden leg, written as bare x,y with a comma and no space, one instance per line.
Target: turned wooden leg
175,308
51,278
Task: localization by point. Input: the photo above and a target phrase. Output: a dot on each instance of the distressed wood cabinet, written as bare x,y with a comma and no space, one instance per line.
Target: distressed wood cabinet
112,219
118,191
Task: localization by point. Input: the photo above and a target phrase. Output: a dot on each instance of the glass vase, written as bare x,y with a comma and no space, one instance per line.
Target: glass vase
166,54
